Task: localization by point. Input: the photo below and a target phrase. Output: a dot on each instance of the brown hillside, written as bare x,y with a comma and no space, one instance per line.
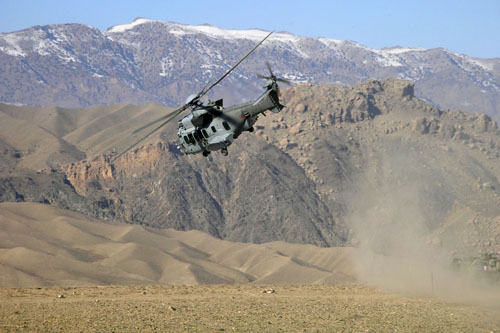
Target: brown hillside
51,137
42,245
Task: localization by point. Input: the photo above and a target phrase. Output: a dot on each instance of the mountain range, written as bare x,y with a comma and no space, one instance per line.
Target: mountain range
146,61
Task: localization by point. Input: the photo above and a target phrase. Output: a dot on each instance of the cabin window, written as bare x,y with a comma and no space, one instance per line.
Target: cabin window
186,139
213,129
226,125
205,134
196,136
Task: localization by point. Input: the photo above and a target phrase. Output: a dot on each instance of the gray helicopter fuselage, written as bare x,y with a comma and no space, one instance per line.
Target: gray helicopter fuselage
211,127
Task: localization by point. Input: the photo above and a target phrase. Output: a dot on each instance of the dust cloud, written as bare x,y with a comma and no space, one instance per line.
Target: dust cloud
392,216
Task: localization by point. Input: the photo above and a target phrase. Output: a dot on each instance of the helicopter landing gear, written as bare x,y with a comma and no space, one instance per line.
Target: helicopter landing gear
224,151
206,153
251,129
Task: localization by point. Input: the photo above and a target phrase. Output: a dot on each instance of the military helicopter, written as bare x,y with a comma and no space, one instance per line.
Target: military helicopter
211,127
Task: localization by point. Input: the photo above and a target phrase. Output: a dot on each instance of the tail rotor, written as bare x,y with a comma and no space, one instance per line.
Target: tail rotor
272,79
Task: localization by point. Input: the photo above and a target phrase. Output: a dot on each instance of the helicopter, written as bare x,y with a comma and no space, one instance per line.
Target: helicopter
211,127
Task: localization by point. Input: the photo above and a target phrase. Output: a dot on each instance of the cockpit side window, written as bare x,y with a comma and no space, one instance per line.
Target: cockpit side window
186,139
205,134
213,129
196,136
226,125
191,138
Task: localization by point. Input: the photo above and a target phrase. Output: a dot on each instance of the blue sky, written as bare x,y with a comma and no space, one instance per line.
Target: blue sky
471,27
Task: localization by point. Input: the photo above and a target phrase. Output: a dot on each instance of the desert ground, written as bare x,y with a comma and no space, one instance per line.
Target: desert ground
61,271
235,308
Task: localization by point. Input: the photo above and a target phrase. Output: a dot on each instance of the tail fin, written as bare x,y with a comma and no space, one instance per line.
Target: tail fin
278,108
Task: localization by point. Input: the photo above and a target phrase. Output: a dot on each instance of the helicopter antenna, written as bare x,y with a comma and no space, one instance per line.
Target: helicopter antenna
190,102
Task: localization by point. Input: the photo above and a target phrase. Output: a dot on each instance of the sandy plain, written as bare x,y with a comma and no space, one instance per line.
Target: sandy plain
235,308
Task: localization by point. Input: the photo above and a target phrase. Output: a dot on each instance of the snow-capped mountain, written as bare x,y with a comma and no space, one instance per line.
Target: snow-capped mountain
149,61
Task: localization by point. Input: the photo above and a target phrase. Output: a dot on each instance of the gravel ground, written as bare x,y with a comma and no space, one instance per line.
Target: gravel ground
238,308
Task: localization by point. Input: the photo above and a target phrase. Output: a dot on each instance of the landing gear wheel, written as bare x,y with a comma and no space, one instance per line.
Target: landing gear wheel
206,153
251,129
224,151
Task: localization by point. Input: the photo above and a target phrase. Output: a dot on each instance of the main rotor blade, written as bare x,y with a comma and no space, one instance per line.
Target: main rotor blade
284,81
204,91
268,65
168,115
178,111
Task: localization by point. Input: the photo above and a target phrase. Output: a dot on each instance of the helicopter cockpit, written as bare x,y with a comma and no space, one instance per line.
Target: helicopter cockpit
202,131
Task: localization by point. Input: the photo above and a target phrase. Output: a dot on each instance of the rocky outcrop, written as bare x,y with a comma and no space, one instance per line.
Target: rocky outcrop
334,104
423,125
439,162
253,201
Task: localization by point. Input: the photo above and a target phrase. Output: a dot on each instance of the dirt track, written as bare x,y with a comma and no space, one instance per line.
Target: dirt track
243,308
